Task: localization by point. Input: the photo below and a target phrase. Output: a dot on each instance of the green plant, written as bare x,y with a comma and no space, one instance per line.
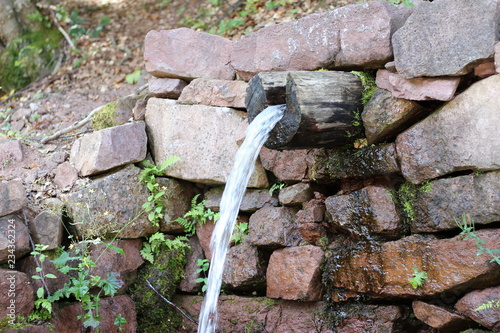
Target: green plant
369,86
279,185
488,305
241,230
154,206
204,267
467,227
157,241
407,193
418,278
406,3
120,322
77,266
133,77
197,214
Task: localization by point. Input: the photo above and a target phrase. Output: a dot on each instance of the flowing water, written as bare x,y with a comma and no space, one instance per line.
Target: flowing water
244,163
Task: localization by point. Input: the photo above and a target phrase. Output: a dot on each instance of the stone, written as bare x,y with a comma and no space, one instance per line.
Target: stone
18,296
206,157
370,212
293,273
66,320
417,89
273,227
47,229
244,269
65,176
475,196
369,162
13,197
296,194
14,240
466,129
109,148
310,219
252,201
497,57
110,204
188,283
215,92
369,318
176,202
289,166
209,55
28,265
356,36
485,70
443,44
385,116
11,151
166,88
440,318
383,269
488,299
115,113
108,260
139,110
204,234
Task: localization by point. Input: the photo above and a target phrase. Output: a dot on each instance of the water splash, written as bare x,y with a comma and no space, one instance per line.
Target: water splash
244,162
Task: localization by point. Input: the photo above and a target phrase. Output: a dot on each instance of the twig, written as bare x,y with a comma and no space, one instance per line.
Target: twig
61,30
86,119
172,304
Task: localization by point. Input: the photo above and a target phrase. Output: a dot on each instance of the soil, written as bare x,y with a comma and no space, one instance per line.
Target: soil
96,74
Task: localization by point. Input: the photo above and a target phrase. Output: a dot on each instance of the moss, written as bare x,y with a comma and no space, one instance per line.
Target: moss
405,198
154,314
28,57
369,86
106,116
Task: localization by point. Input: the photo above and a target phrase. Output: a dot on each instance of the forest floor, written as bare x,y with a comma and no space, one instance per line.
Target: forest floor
96,72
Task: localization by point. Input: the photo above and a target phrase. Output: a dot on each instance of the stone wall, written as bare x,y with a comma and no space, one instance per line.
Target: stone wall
338,246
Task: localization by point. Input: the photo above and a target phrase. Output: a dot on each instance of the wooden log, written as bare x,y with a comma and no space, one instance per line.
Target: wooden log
321,107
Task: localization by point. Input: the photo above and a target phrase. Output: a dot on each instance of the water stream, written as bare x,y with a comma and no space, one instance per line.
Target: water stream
244,162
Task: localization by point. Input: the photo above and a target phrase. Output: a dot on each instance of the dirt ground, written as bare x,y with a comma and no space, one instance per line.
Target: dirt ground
96,73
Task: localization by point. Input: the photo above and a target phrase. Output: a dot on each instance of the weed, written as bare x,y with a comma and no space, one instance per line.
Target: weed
204,267
418,278
133,77
407,193
406,3
197,214
279,185
467,227
488,305
240,231
369,86
154,206
157,242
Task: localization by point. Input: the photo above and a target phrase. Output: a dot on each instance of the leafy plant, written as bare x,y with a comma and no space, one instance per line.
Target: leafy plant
197,214
406,3
407,193
418,278
120,322
279,185
204,267
240,230
133,77
369,86
154,206
488,305
467,227
157,241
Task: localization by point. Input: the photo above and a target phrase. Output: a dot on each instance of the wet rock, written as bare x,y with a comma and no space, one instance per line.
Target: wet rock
166,88
385,116
418,89
65,176
370,212
454,47
440,318
99,209
296,194
356,318
368,162
310,220
209,55
188,284
294,273
274,227
15,287
348,37
109,148
204,234
11,151
66,320
252,200
476,196
206,157
28,265
244,268
488,299
384,269
215,92
47,229
14,240
176,202
463,127
13,197
289,166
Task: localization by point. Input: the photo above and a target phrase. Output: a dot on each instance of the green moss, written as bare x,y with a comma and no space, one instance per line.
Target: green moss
405,198
369,86
154,314
106,116
28,57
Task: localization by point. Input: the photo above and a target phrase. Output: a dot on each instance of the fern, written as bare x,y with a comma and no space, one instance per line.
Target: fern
489,305
157,242
197,214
